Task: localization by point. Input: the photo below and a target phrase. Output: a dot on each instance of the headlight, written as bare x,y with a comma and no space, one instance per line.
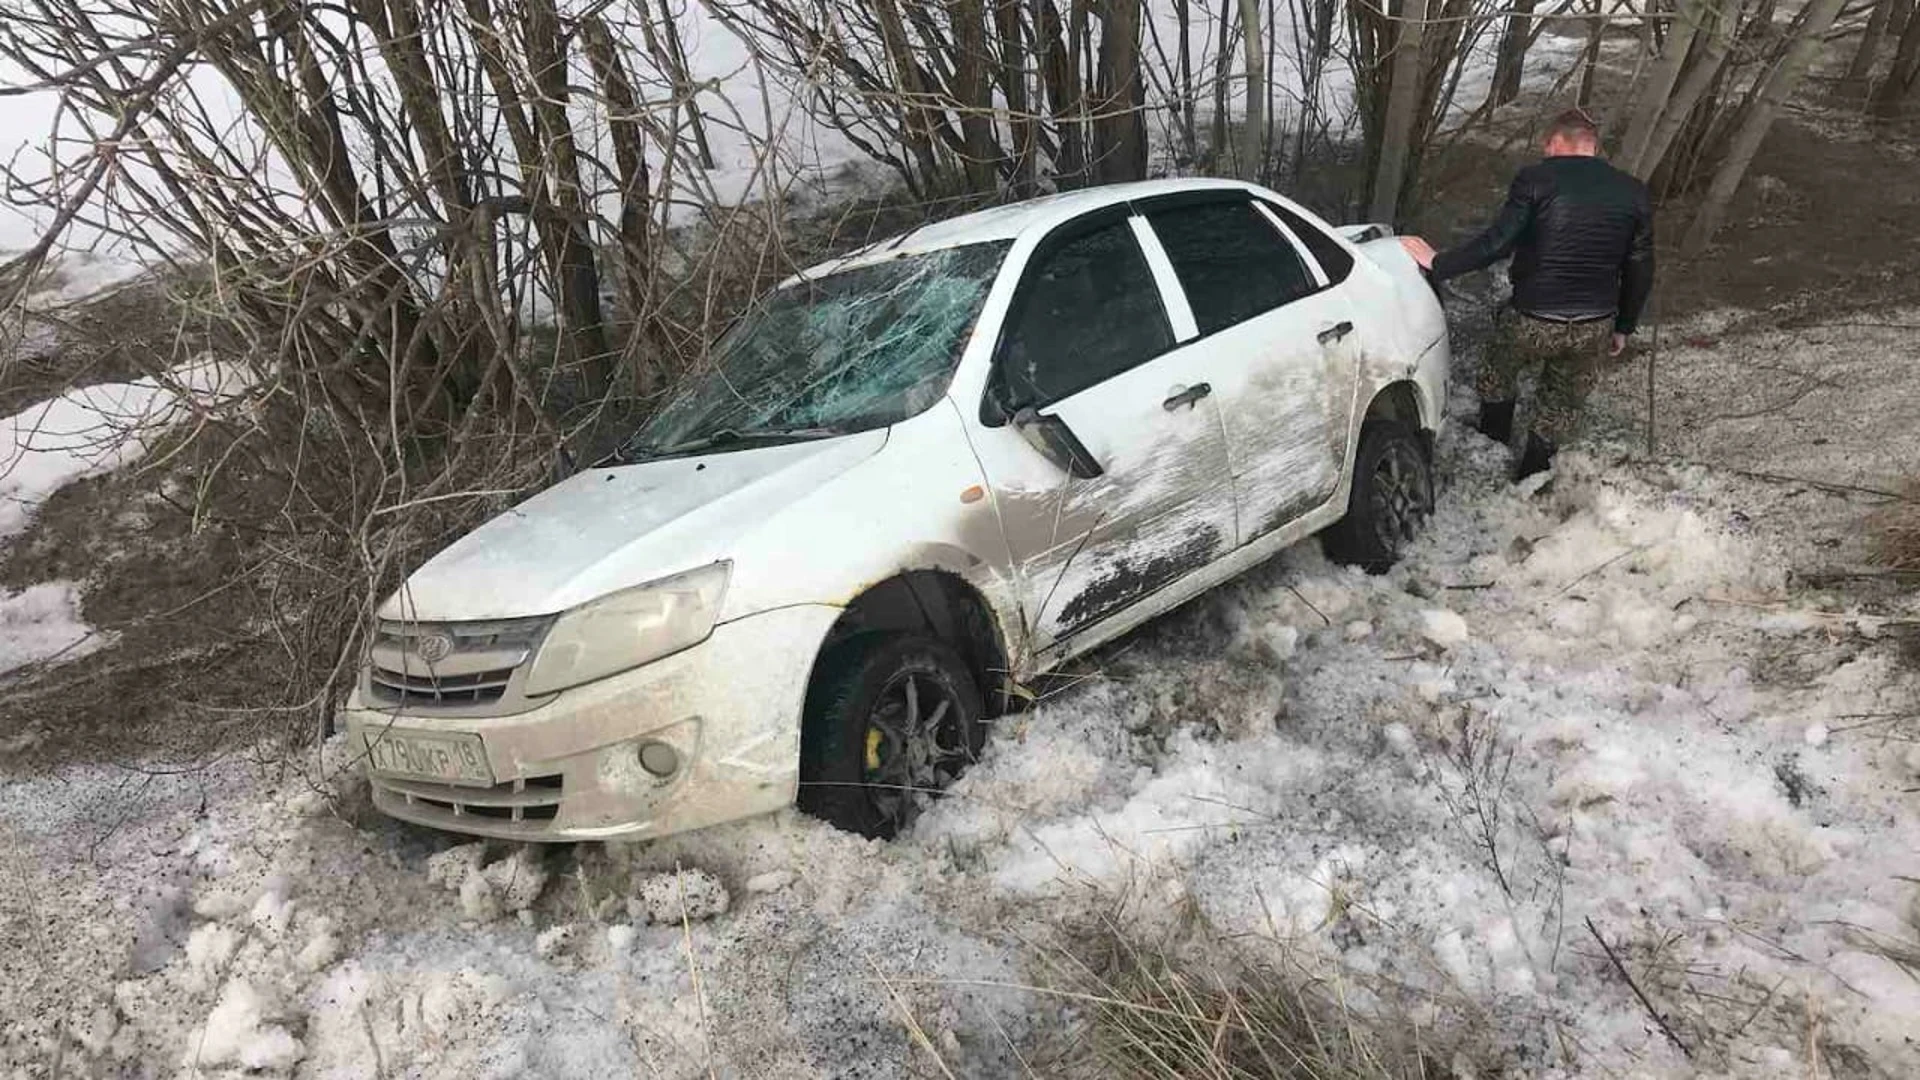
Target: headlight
626,629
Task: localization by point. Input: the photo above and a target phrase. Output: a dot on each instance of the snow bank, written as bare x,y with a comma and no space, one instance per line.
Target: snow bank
95,429
42,622
1585,707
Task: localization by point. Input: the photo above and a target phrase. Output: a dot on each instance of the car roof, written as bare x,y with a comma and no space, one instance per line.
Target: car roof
1011,221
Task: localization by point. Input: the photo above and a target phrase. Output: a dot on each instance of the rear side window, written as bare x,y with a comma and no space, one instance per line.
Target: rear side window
1333,258
1087,311
1231,262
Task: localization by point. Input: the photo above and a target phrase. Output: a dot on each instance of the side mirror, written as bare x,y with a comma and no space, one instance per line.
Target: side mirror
1057,443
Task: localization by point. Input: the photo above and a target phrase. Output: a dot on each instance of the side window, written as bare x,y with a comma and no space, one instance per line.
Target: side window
1088,311
1232,263
1333,258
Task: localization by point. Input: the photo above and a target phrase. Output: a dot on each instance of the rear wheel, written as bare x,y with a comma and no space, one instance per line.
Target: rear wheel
891,720
1391,501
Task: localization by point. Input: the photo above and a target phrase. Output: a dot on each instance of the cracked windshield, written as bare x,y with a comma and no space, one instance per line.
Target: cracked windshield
855,350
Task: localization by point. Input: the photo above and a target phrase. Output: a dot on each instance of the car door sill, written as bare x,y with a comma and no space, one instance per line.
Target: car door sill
1179,591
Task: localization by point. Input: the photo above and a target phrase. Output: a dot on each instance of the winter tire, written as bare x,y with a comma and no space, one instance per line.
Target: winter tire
1391,501
891,720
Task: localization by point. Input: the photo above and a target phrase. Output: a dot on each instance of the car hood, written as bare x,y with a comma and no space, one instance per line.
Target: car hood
607,529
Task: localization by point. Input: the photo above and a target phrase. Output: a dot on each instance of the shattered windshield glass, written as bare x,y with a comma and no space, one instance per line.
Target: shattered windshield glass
859,349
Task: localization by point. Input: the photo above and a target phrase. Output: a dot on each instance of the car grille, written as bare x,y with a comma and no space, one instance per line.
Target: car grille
402,688
532,798
448,667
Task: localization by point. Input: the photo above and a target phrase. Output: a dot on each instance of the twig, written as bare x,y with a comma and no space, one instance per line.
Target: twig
1309,603
693,967
913,1025
1636,549
1823,485
1635,987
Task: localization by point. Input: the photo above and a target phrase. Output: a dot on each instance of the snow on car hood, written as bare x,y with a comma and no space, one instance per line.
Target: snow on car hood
612,528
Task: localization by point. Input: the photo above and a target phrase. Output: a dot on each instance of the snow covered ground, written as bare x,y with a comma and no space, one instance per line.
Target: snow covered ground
1594,713
85,432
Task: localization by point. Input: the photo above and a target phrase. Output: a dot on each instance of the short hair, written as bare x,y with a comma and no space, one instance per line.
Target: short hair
1574,125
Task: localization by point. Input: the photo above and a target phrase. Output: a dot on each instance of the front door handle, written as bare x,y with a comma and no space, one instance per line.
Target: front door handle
1187,396
1335,332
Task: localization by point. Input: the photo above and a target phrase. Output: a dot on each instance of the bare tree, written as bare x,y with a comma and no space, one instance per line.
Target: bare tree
1403,106
1902,85
1655,131
1778,86
1120,129
1657,95
1253,157
1866,56
432,232
1512,56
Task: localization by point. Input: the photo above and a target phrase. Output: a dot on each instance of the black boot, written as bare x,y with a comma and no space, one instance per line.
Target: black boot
1536,458
1496,421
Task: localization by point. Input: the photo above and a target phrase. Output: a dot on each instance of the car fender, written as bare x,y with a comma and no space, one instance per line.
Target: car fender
921,503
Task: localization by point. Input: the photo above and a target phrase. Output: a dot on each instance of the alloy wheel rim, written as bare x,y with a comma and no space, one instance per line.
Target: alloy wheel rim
915,745
1401,498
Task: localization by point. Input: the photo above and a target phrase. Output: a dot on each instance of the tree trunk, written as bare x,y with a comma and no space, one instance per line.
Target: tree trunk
1655,95
1902,84
1403,108
1063,96
975,99
1319,17
1222,71
1779,86
1590,63
1903,13
906,75
1511,60
683,84
1861,68
636,187
1699,78
1183,11
579,273
1253,143
1119,127
1013,86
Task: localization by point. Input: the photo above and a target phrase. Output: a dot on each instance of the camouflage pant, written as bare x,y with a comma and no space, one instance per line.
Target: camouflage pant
1567,356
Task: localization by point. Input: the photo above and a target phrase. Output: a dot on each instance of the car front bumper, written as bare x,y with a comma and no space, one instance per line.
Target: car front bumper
570,769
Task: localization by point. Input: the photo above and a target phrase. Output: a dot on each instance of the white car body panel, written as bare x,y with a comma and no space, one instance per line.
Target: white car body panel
1189,497
1163,505
606,529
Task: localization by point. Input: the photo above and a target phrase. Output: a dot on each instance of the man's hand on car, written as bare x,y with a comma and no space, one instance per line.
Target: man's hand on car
1419,250
1618,345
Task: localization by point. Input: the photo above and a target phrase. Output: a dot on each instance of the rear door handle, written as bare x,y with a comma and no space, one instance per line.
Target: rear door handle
1187,396
1335,332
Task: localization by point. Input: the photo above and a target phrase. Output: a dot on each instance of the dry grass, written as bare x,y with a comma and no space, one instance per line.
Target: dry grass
1229,1011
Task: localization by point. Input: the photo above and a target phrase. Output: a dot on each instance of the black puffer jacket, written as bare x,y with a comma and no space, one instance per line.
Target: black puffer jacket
1581,235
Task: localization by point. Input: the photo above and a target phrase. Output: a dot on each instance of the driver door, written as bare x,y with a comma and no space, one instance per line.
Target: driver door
1088,340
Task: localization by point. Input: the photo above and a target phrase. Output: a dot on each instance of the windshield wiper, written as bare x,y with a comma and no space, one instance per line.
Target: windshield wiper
635,451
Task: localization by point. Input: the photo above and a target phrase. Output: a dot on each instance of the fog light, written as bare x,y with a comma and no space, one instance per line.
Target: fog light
659,759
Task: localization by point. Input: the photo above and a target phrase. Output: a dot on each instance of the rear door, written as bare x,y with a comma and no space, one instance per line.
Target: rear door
1277,332
1088,339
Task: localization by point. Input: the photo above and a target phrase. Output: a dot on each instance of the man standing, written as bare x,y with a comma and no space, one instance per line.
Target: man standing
1581,235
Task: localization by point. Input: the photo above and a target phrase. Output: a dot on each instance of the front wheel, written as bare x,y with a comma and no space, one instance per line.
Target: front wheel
1391,501
891,720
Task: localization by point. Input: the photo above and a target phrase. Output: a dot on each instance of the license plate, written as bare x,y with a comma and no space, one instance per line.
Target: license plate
451,758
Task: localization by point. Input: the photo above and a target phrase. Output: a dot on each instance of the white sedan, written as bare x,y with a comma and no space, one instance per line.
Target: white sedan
907,482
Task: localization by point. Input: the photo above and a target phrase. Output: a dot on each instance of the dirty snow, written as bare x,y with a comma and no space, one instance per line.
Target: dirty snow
1599,702
1605,703
93,430
42,622
85,432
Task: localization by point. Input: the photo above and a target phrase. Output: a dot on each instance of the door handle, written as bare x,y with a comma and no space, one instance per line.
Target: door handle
1335,332
1187,396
